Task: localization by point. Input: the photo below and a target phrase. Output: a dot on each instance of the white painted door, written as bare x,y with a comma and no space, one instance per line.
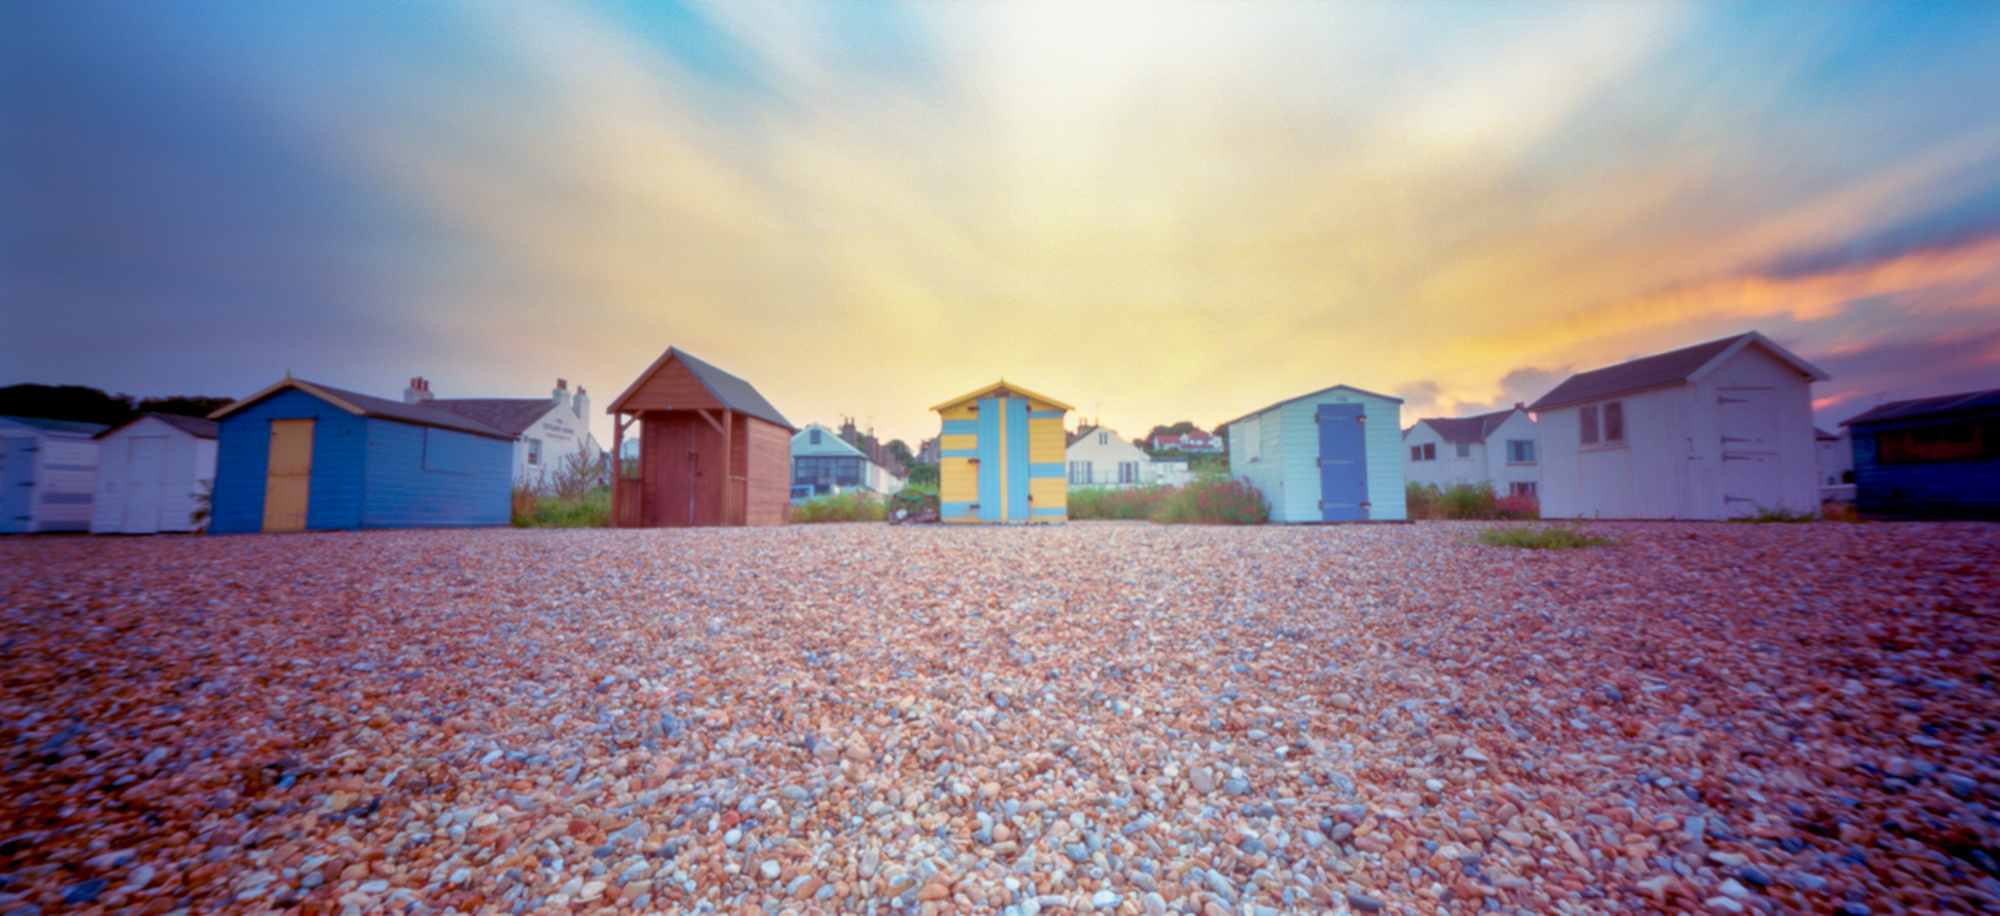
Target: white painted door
145,471
1749,423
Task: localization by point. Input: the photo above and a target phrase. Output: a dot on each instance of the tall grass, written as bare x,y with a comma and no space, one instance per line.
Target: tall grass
589,509
851,506
1214,502
1466,501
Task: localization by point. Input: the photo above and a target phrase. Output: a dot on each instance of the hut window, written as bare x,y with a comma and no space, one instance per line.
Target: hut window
1614,421
1587,427
1962,440
1464,450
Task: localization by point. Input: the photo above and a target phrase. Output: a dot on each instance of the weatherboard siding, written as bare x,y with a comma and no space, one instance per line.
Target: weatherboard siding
1287,470
424,477
333,498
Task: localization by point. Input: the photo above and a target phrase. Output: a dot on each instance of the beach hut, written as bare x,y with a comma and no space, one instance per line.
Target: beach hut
1334,455
1929,457
1000,456
1713,431
153,473
299,456
48,474
712,451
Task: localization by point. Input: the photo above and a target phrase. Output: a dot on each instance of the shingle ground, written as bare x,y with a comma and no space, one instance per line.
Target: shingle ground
1125,717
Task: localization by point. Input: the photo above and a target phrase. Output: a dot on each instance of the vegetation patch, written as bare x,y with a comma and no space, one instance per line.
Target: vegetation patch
1129,504
538,509
1466,501
1209,501
915,502
1548,537
852,506
1776,517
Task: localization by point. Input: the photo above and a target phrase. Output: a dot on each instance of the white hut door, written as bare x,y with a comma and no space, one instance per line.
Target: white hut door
145,470
1749,425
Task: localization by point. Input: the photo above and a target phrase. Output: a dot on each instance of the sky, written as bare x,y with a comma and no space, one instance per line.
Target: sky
1153,211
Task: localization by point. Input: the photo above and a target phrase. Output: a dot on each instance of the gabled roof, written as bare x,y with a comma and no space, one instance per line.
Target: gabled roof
1312,394
193,426
71,427
1660,370
1471,430
998,387
512,416
731,392
829,441
368,405
1987,401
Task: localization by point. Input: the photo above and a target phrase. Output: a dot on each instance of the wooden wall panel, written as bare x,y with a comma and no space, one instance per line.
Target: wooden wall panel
673,387
768,465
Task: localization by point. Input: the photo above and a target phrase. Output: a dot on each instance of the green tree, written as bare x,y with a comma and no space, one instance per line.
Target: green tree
923,475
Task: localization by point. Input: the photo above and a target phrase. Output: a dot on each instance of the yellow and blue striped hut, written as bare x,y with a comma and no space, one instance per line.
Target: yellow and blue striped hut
1000,456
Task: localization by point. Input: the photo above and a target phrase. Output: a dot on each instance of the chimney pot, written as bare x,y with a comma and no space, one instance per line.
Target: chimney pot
562,383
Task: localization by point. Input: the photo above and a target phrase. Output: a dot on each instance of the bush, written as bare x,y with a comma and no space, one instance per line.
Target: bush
1468,501
589,509
916,502
1422,500
1776,517
1109,503
1517,507
1541,538
852,506
1214,502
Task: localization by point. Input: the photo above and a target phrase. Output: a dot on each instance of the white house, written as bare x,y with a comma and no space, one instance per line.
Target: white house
824,464
546,431
48,474
1713,431
1497,449
153,473
1099,457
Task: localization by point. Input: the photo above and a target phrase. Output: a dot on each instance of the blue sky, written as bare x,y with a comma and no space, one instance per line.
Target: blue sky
1156,211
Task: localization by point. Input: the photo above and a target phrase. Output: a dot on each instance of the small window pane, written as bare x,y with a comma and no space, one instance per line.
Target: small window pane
1430,451
1614,422
1464,450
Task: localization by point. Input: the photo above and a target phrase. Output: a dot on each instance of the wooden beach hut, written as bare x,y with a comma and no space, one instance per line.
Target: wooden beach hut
1000,458
712,450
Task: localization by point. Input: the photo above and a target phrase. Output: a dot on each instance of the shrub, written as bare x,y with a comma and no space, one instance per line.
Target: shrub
1541,538
852,506
1517,507
1108,503
1423,500
589,509
1213,502
1468,501
916,502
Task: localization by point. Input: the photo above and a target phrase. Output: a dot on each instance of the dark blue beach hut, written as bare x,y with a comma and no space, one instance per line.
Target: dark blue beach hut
303,456
1930,457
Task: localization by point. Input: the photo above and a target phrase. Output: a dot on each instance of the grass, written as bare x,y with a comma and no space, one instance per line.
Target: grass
1210,501
1115,503
852,506
592,509
1541,538
1776,517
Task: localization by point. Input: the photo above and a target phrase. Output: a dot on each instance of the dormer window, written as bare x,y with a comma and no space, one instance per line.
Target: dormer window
815,437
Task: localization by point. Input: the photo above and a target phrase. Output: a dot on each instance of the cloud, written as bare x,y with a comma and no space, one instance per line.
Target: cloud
1908,367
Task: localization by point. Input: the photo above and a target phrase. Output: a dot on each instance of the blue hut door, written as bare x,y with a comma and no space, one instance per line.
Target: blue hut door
1019,508
17,482
1343,463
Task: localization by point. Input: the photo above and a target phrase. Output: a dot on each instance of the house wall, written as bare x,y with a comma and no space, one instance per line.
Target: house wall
1287,472
1499,471
186,463
425,477
1836,458
244,450
1103,459
1448,469
562,434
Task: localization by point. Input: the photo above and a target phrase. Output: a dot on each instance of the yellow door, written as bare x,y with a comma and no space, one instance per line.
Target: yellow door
287,481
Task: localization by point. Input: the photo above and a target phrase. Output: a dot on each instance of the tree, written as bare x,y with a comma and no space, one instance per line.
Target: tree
84,404
900,450
1178,428
923,475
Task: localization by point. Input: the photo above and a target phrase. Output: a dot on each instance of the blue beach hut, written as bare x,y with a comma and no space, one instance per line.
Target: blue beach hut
1334,455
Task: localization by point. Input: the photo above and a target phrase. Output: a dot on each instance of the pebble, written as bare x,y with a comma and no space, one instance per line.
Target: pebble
859,717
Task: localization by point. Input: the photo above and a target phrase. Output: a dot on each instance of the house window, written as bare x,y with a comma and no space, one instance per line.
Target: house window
825,472
1430,451
1416,453
1521,488
1520,451
534,451
1614,421
1079,472
815,437
1128,472
1464,450
1587,429
1103,438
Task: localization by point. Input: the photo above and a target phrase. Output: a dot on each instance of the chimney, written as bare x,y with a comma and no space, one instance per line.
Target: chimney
582,404
561,394
419,390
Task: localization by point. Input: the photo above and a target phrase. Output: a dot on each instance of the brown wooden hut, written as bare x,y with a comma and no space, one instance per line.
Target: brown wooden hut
712,451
